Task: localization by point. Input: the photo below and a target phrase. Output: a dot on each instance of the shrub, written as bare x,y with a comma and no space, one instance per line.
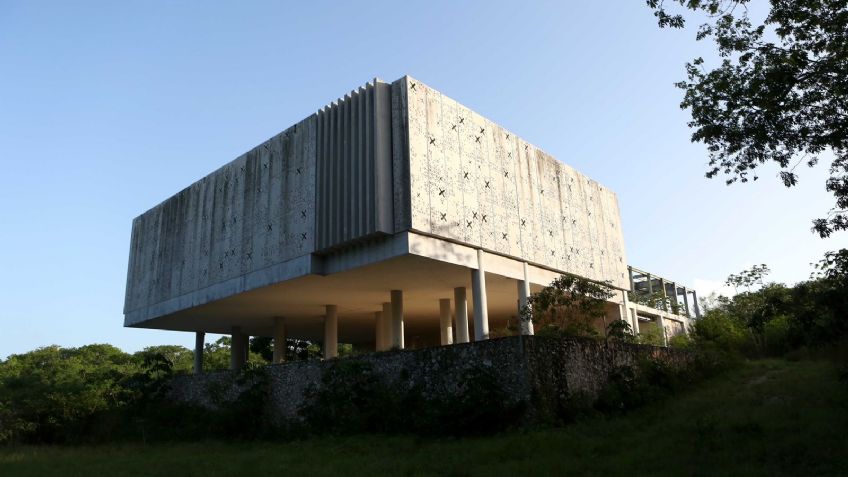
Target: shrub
682,340
651,336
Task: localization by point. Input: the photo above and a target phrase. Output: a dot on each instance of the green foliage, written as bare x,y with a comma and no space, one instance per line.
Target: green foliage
719,329
776,319
182,358
659,301
216,356
833,267
48,395
749,278
652,335
620,330
629,388
778,94
263,347
569,306
98,393
764,418
682,340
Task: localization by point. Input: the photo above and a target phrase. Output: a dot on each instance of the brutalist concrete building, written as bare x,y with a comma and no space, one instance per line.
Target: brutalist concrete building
394,217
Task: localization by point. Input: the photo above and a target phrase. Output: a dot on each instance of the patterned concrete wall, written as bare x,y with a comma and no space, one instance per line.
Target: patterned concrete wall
384,159
254,212
475,182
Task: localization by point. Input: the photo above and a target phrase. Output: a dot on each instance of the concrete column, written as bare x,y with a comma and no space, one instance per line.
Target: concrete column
238,349
674,295
697,306
478,293
279,340
635,318
397,319
331,332
445,321
199,341
686,299
387,325
526,325
661,324
625,307
650,284
630,275
460,312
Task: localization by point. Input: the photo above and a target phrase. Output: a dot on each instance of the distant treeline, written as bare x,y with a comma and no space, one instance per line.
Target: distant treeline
772,319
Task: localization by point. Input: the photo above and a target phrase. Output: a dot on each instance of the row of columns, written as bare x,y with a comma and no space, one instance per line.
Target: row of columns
631,316
389,326
664,286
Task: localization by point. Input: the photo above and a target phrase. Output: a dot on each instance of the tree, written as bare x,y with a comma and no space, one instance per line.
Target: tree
779,94
748,278
49,394
181,358
569,306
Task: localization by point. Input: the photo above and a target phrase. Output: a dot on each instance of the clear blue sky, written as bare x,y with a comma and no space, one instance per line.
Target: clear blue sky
107,108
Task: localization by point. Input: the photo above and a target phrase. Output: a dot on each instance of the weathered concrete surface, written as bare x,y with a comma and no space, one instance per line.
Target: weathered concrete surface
477,183
388,165
251,214
541,372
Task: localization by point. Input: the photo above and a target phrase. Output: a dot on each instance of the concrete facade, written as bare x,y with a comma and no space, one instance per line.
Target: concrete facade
392,195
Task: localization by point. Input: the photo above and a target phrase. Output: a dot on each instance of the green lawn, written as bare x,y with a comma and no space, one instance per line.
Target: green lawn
767,418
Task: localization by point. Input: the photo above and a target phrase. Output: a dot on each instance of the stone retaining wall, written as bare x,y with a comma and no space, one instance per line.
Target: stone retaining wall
538,371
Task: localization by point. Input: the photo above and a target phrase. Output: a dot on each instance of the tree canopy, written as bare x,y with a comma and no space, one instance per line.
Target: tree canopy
779,94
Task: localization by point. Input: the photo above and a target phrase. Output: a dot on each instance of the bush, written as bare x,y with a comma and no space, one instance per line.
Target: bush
682,340
720,331
651,336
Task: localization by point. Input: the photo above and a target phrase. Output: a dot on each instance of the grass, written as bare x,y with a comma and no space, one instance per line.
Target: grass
770,417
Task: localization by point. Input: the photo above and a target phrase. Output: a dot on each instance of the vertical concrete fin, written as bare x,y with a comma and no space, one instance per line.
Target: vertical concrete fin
354,193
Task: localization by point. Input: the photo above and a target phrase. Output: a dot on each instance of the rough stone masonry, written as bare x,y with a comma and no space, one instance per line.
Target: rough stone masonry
538,371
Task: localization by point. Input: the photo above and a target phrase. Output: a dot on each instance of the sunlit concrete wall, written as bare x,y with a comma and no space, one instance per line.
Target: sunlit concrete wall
251,214
475,182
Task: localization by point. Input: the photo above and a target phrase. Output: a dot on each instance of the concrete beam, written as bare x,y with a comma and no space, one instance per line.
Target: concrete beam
331,332
481,307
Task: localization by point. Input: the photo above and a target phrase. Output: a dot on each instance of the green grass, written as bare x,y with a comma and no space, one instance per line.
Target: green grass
769,417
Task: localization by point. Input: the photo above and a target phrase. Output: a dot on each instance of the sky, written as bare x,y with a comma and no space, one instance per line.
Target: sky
108,108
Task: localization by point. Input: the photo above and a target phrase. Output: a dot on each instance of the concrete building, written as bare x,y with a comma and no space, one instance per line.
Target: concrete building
394,217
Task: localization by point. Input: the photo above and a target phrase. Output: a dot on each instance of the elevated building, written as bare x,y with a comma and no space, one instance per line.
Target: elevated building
394,217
